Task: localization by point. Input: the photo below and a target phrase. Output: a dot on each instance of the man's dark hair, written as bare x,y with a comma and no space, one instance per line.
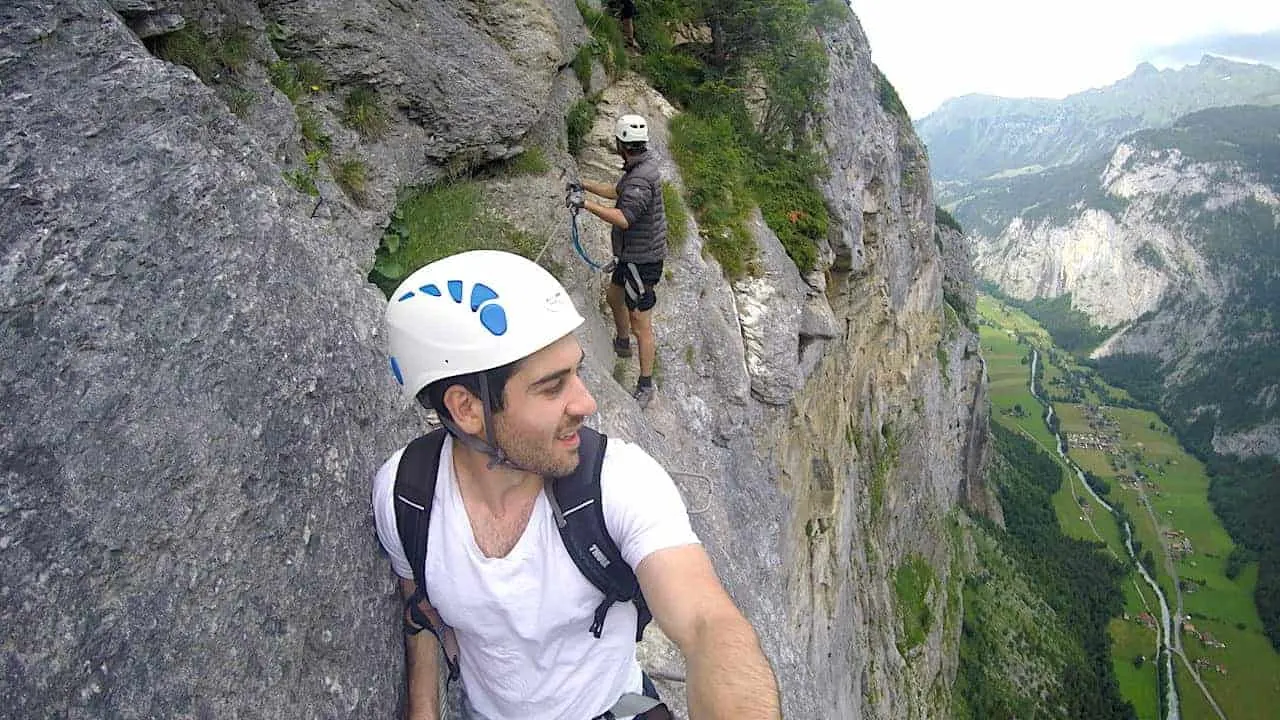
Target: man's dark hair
432,396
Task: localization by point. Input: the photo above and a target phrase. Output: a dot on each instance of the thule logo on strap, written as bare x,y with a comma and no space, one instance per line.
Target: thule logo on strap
598,554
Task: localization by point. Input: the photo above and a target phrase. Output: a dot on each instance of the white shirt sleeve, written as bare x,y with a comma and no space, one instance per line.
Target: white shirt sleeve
643,510
384,515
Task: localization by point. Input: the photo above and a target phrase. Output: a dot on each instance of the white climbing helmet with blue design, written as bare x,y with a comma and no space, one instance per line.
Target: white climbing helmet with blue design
473,311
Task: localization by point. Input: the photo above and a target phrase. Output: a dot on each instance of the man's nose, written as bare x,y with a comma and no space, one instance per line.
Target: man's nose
581,404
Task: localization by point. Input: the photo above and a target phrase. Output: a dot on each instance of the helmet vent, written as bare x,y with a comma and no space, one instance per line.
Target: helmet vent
481,294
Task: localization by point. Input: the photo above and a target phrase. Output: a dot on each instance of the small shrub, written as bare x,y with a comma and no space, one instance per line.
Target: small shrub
826,13
610,43
677,216
785,187
578,123
363,112
715,171
352,176
888,96
676,75
942,218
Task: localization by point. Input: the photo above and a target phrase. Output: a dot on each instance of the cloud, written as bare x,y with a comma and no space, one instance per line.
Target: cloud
1260,47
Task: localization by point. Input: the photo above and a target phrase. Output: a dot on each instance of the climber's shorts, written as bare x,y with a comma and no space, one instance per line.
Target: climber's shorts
625,8
637,281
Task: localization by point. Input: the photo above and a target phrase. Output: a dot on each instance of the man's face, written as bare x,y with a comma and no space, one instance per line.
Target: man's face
545,403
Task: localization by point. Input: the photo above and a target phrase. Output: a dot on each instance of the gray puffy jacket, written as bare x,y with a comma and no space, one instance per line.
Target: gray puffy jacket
640,200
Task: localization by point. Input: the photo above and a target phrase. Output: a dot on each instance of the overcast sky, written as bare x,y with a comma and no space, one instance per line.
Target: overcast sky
932,50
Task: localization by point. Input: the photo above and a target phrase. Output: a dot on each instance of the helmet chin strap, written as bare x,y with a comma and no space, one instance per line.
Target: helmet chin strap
489,446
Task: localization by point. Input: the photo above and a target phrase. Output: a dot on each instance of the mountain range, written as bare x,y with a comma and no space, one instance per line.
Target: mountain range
979,136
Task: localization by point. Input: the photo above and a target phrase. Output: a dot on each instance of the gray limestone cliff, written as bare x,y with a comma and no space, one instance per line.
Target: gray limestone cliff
195,394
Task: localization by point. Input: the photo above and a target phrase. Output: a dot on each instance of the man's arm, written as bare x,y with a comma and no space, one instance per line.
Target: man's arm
728,675
611,215
421,669
599,188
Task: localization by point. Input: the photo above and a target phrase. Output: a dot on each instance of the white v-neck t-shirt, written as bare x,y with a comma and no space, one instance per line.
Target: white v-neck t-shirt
523,621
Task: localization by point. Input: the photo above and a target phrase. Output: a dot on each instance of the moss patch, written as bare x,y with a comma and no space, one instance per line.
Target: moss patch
441,220
912,582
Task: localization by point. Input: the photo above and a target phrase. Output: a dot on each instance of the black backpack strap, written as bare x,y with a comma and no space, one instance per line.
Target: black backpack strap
414,491
579,513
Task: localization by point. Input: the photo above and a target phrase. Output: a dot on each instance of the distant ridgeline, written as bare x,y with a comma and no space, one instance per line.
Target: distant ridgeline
977,136
1171,239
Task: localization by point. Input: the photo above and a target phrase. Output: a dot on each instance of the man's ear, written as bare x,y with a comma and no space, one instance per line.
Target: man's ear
466,409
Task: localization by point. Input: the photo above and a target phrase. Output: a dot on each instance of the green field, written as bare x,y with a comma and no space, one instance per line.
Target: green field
1177,491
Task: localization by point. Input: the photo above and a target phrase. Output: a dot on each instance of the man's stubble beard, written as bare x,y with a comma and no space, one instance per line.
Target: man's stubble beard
539,455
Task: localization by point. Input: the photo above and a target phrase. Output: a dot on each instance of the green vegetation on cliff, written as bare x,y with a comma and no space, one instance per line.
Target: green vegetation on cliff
1071,329
1075,585
737,148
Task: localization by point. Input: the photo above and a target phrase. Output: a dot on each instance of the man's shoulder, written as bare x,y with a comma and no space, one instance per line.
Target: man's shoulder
628,473
624,458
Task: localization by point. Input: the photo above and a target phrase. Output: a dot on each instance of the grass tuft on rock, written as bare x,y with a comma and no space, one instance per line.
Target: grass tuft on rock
578,123
352,175
212,57
677,215
363,112
441,220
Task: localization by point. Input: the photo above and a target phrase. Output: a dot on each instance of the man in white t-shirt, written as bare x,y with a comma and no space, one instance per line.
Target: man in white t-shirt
485,339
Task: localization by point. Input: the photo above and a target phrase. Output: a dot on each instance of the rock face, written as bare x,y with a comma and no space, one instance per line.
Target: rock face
195,395
1094,258
191,402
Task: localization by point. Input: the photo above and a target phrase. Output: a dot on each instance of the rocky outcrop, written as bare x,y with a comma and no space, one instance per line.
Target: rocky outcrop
195,396
1093,257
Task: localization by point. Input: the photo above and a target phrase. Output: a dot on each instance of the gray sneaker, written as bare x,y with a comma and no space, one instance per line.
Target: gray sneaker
644,395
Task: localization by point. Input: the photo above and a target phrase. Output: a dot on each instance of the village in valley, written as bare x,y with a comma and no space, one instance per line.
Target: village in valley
1127,456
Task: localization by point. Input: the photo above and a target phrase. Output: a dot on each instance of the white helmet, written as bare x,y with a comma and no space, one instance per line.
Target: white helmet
631,129
473,311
